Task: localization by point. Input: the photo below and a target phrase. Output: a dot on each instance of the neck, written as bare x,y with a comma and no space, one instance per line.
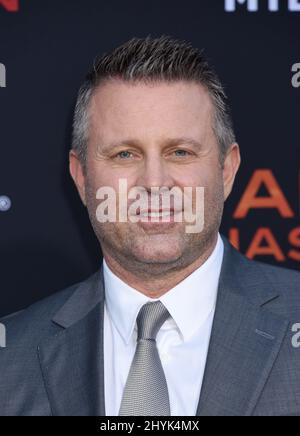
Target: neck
156,286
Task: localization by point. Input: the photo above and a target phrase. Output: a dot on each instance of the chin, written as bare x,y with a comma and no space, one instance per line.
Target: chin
158,254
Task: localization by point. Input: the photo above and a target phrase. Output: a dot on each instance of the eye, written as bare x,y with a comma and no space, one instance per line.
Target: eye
124,155
181,153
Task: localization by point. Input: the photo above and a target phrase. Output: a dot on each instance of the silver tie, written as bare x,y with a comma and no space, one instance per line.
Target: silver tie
146,390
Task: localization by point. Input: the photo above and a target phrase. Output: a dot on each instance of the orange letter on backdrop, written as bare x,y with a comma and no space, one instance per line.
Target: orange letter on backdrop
272,249
10,5
234,238
294,239
276,200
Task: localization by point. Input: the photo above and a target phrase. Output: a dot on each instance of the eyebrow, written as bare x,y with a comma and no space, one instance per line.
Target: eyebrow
170,142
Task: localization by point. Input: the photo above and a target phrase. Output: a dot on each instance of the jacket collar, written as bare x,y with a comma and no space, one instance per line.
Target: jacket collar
245,341
72,360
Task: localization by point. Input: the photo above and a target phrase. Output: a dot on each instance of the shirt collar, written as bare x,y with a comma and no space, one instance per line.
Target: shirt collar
189,303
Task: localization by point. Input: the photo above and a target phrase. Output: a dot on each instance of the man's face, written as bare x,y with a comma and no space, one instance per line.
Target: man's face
134,134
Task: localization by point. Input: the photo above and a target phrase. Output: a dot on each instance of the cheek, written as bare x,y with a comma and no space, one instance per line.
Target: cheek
199,177
100,176
212,182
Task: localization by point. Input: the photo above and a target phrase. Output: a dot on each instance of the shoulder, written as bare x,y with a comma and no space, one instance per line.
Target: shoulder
280,275
237,263
286,283
263,279
31,324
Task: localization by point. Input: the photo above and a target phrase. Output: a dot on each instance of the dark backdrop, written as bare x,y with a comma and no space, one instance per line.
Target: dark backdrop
46,242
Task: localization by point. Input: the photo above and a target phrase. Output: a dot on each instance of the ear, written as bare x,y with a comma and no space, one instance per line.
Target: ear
77,174
231,167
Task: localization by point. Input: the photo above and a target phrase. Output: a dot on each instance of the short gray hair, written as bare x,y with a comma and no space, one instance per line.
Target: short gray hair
153,60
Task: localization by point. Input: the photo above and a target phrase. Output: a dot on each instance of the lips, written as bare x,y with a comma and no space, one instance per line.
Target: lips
157,217
157,212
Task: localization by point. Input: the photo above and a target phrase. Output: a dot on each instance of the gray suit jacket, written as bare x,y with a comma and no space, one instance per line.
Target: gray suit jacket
53,363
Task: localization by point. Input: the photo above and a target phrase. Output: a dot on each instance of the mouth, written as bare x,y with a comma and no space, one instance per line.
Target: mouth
158,219
160,213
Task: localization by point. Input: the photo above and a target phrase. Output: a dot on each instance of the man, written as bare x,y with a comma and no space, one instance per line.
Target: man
174,322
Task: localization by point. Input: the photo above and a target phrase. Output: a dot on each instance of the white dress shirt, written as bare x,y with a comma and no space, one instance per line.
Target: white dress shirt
182,341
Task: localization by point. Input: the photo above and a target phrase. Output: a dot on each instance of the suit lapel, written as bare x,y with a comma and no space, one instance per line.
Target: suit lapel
245,341
72,360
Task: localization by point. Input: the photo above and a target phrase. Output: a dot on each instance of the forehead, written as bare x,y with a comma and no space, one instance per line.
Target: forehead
119,108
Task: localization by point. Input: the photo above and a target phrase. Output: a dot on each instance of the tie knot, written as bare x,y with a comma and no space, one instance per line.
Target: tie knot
150,319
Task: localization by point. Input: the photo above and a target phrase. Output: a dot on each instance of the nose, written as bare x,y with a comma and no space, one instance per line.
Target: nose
155,173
